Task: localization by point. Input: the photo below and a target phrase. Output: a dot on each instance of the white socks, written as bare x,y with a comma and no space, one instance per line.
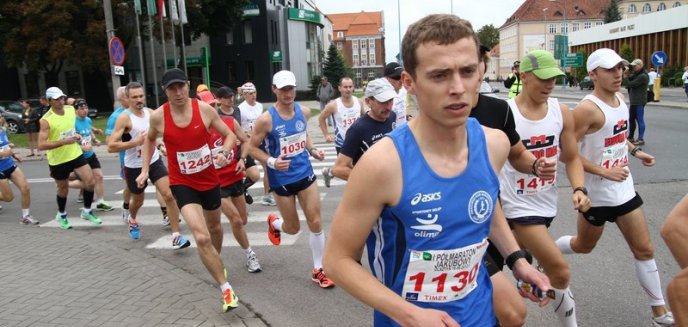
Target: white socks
564,244
277,224
648,276
565,307
225,287
317,242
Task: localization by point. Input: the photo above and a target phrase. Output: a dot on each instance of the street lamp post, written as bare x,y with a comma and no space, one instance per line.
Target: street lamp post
544,14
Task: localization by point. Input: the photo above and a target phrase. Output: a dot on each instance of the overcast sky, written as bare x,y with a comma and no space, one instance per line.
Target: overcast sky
479,13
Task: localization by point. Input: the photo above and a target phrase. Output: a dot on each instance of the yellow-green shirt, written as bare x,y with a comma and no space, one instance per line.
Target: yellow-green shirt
62,127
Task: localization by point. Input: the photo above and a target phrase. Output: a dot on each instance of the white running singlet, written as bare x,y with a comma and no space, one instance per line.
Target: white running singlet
132,156
607,147
399,107
249,115
344,118
525,195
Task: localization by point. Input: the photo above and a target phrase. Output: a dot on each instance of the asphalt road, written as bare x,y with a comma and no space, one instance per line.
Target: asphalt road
603,282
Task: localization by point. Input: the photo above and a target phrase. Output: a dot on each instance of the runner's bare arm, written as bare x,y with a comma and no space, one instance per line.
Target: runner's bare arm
243,138
212,119
355,216
569,156
260,131
317,154
343,166
322,120
44,132
362,104
115,144
150,141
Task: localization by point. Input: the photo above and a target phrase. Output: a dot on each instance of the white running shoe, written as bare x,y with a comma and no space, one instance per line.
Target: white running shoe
665,320
327,176
268,200
252,264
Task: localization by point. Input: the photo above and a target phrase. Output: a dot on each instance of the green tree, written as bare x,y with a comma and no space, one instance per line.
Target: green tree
581,72
488,35
626,52
335,67
612,13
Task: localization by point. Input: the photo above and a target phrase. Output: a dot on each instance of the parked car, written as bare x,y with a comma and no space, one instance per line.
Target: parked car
36,103
586,83
12,111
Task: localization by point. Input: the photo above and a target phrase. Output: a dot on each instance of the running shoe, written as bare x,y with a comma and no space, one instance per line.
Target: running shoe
28,220
165,220
125,215
249,198
134,230
252,264
104,206
273,234
62,220
268,200
665,320
326,173
318,277
180,242
229,300
90,217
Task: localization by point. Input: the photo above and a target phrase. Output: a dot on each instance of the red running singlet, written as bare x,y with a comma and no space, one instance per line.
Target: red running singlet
188,153
227,174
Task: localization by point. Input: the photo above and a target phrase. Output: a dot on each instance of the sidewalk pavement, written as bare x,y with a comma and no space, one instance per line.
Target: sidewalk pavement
50,278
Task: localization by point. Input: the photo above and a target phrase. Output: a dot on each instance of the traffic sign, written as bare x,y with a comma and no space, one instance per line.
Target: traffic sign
117,52
118,70
572,60
659,58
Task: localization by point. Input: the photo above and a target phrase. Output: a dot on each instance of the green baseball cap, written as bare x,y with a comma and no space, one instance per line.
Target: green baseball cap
541,63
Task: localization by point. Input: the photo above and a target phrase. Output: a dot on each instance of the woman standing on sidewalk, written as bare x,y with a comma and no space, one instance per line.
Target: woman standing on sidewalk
31,126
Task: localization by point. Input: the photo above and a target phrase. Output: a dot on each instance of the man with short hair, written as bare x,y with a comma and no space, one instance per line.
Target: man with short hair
601,121
59,138
636,82
184,125
283,128
513,81
438,200
325,92
393,75
344,110
135,122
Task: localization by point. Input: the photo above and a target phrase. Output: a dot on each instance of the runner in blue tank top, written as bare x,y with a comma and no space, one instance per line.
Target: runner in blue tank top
283,128
427,228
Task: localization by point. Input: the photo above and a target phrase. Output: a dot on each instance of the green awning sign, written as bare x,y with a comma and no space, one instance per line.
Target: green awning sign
276,56
304,15
250,10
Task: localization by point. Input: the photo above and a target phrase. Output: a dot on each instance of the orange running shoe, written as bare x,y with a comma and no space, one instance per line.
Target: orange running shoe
318,277
229,300
273,234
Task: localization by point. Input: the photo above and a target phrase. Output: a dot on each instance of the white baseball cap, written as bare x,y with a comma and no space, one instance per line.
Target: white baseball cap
53,93
284,78
605,58
380,89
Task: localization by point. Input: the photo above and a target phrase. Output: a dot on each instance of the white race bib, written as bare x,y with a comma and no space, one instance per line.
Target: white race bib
67,134
443,275
293,144
614,155
191,162
526,184
86,140
230,156
348,119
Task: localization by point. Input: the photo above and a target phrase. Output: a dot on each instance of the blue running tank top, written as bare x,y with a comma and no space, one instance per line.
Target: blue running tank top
5,162
288,137
429,247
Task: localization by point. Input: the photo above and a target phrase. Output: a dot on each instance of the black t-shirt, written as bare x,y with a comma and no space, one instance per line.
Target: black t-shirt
363,133
495,113
236,114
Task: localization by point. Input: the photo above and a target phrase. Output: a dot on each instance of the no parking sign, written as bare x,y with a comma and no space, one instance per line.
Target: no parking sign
117,52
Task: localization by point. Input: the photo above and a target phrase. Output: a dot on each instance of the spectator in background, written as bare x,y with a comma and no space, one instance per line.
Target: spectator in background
652,75
636,81
513,81
30,125
325,92
684,77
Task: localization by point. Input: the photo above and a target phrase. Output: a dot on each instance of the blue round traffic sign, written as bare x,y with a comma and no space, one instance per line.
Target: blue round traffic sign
659,58
117,52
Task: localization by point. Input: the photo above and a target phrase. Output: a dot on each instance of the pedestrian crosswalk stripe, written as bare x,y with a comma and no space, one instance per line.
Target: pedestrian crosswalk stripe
255,239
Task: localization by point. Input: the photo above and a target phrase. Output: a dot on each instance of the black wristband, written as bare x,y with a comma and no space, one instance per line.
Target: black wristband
533,170
511,259
635,150
582,189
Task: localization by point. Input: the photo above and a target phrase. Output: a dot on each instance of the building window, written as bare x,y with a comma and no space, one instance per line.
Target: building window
358,74
250,71
564,28
676,4
632,9
230,38
552,28
371,75
355,59
661,6
647,8
371,43
551,45
248,33
340,34
364,60
363,44
599,23
354,44
576,26
587,25
339,46
372,59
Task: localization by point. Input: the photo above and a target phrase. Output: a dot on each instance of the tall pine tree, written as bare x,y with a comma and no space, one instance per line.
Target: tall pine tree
335,68
612,13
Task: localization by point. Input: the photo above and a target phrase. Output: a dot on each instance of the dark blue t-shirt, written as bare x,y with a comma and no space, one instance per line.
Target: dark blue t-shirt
364,132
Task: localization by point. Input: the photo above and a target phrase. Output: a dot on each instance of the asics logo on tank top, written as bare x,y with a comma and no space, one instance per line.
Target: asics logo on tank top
281,130
428,227
428,197
480,207
300,126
